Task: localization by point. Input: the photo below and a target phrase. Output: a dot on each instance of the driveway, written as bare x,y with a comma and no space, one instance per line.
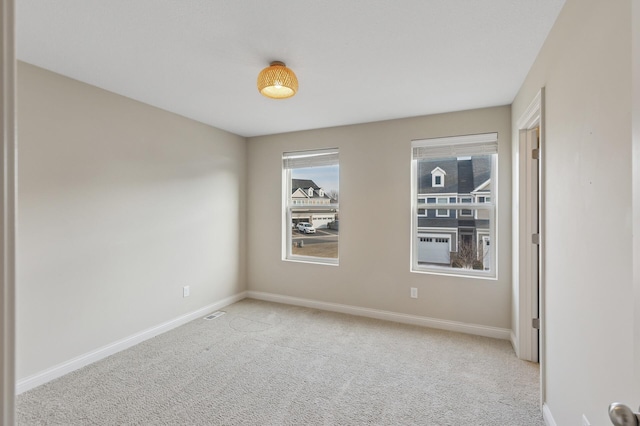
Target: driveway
323,235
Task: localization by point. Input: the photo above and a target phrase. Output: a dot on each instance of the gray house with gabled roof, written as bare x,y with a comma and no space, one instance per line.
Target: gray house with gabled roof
442,231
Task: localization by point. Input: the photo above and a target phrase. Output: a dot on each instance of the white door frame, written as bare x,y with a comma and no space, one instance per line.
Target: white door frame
528,256
527,288
7,212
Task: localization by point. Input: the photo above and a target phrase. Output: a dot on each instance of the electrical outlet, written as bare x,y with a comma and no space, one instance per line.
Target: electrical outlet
186,291
414,293
585,422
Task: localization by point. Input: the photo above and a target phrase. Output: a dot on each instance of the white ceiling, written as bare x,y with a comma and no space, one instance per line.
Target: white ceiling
356,60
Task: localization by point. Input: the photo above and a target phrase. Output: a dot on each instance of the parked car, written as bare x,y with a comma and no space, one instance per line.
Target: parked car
333,225
306,228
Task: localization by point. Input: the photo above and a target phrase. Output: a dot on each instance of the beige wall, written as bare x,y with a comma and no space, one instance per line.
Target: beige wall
120,206
586,68
375,229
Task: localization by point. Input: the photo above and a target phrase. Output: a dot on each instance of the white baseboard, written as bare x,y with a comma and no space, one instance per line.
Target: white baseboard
479,330
60,370
514,343
546,415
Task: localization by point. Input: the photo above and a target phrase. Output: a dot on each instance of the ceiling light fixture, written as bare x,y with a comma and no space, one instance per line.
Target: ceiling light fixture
277,81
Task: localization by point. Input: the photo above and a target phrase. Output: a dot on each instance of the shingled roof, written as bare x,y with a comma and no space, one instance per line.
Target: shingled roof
462,175
304,185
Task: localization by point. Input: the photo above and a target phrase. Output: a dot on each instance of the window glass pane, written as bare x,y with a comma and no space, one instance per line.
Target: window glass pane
458,239
314,213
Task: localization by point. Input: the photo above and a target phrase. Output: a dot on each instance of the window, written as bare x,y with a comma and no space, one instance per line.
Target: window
421,212
456,240
442,212
437,177
310,213
466,212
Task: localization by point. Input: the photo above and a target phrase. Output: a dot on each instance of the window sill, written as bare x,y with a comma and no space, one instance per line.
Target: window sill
312,260
454,273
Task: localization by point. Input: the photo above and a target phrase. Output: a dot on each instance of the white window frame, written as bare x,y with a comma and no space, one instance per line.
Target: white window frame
304,159
447,147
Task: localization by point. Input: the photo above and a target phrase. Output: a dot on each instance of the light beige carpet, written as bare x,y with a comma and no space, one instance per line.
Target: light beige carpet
270,364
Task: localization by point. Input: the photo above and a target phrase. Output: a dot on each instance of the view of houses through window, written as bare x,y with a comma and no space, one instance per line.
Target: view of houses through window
454,205
311,185
454,214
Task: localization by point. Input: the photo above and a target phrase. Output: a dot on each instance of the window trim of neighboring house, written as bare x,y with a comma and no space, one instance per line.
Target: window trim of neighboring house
304,159
447,147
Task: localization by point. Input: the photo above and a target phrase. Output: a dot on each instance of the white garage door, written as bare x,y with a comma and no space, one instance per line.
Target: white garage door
432,249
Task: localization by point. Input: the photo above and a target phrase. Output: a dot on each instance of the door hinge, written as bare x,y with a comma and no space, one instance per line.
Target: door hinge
535,238
535,154
535,323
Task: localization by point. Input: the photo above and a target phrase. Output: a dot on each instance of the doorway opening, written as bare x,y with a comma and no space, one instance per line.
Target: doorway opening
530,237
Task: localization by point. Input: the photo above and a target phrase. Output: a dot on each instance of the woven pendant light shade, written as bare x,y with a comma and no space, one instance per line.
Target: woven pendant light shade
277,81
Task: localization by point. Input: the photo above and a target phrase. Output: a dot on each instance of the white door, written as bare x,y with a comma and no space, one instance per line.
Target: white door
529,246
